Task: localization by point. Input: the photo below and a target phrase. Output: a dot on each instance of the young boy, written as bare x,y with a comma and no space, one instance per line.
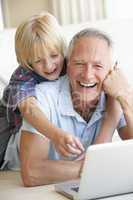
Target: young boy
40,50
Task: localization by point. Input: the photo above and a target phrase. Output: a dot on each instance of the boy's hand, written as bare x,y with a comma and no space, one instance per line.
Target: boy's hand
68,145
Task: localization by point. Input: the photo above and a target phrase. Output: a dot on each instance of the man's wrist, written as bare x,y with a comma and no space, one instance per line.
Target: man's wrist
125,98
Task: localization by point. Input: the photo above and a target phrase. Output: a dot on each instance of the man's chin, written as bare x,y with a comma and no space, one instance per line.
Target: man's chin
83,98
90,97
87,101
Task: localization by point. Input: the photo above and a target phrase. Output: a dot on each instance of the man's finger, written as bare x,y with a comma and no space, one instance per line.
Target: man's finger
73,150
80,157
79,144
64,152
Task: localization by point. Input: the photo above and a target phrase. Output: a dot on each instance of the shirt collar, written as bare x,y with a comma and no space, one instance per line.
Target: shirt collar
100,109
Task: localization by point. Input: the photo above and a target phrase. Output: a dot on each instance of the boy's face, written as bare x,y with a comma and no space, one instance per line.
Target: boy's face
50,66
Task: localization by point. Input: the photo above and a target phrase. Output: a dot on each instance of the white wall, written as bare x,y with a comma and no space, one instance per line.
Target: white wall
1,16
18,10
116,9
66,11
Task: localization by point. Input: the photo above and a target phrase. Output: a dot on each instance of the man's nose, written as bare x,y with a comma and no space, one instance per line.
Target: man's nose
88,72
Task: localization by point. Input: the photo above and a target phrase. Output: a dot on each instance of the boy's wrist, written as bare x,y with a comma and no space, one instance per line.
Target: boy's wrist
55,134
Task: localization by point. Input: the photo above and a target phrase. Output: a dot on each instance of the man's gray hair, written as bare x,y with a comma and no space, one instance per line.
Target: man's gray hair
89,32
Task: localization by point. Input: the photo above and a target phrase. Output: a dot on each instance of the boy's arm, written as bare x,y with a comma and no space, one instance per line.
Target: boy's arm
110,121
32,113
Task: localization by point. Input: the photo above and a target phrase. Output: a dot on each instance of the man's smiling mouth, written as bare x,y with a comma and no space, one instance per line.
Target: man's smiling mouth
87,85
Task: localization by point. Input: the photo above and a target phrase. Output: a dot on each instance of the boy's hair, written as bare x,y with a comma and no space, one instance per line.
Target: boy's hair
91,33
36,37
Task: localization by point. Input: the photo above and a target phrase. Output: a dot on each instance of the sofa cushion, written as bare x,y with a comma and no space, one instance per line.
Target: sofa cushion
7,57
7,53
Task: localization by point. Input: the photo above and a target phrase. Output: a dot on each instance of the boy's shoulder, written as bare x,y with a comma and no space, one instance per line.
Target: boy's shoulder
25,74
22,74
52,86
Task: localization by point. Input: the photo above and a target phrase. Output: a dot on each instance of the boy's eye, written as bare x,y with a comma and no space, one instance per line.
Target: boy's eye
54,55
37,61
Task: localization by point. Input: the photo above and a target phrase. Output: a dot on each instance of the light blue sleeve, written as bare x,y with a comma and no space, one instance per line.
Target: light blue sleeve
28,127
43,104
122,122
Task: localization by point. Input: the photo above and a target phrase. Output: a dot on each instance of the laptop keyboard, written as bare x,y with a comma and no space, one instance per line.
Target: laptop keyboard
76,189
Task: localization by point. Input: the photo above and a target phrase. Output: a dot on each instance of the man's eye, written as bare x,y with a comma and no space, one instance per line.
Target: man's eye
79,63
99,66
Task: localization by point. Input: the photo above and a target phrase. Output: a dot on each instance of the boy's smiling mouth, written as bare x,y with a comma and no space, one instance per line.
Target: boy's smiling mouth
51,72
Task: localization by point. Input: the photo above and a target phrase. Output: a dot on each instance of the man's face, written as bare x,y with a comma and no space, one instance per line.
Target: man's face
88,66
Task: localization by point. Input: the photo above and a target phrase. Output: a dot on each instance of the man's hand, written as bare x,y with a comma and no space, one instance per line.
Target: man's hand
68,145
115,83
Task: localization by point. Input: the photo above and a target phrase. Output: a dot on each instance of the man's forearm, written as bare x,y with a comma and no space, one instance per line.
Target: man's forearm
37,169
51,171
126,101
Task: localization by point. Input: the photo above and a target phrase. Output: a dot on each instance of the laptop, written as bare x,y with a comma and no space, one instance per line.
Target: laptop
107,171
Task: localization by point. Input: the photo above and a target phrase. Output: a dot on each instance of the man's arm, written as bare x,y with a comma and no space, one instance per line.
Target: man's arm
126,101
37,169
109,122
123,93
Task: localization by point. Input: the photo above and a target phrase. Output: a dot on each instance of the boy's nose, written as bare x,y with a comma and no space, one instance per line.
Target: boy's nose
49,67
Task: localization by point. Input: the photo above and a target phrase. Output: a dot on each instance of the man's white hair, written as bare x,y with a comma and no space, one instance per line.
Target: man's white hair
88,32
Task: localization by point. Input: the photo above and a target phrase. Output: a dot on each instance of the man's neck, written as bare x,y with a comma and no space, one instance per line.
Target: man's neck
85,110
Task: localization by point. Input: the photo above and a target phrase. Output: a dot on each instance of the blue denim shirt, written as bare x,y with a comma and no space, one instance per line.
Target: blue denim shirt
55,101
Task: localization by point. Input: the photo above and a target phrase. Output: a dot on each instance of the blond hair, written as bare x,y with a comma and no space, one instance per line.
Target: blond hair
36,37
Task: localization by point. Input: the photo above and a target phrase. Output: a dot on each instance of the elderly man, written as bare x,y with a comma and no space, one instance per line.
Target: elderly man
75,103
